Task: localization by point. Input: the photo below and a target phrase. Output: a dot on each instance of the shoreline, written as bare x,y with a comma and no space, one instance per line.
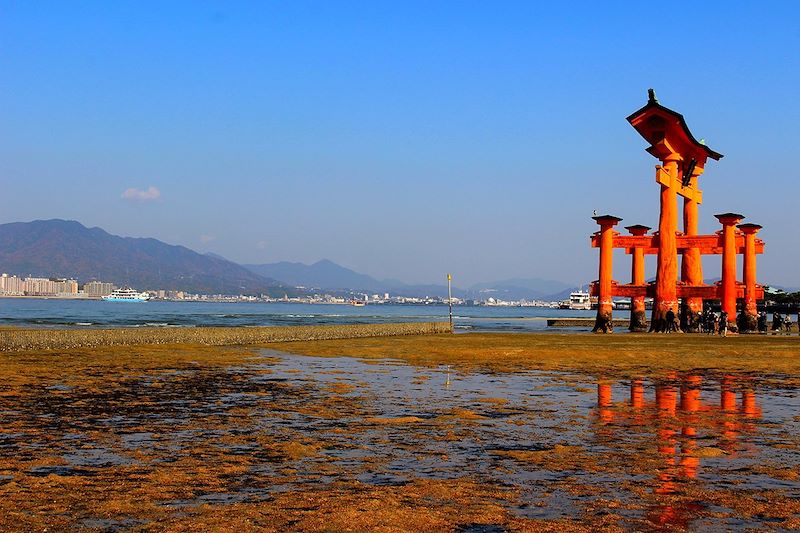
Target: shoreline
27,339
434,343
628,355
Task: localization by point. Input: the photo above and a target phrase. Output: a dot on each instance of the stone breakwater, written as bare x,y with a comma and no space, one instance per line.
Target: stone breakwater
51,339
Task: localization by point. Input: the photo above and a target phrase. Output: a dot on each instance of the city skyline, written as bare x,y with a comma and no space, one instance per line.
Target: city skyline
369,136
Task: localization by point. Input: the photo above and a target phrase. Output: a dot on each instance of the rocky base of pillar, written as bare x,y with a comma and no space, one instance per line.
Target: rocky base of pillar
603,323
747,323
658,322
638,321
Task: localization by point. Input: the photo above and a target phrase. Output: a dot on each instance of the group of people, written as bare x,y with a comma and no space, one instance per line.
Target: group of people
708,322
711,323
780,323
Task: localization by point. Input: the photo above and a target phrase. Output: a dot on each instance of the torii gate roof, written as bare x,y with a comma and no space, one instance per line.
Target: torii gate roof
659,124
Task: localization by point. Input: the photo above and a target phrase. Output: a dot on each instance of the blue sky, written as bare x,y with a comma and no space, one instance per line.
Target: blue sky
403,139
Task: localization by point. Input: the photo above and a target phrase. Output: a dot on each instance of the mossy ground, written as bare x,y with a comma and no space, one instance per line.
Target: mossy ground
189,437
622,354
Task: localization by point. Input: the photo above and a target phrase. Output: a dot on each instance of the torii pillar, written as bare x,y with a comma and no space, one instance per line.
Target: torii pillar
604,285
691,261
749,321
638,313
666,296
728,284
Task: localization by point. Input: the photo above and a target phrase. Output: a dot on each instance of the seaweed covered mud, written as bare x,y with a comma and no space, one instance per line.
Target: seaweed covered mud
449,432
15,339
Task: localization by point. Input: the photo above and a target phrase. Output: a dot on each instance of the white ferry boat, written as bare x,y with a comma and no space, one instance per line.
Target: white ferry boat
127,295
580,300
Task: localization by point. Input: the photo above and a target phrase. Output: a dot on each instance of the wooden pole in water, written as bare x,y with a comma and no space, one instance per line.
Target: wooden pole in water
691,260
450,299
749,311
728,297
666,298
638,311
602,323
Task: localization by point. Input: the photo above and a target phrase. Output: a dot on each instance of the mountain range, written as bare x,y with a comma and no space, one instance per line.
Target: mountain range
65,248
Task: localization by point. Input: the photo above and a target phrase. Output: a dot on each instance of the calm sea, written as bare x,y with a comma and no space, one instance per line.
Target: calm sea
92,313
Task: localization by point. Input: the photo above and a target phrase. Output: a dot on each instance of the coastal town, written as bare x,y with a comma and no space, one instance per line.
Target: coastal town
12,286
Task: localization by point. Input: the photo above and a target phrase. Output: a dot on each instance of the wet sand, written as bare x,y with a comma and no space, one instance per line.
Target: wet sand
465,433
20,339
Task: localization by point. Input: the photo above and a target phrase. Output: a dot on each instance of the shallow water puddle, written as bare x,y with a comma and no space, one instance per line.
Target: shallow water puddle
567,442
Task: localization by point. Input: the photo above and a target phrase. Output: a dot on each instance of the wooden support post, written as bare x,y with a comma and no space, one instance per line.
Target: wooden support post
749,318
638,314
728,298
603,322
691,262
666,298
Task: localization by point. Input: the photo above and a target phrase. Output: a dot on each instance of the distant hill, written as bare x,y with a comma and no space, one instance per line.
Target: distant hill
65,248
521,288
323,274
327,275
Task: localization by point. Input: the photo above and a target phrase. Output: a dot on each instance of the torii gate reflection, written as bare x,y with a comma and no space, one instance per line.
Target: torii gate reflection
679,407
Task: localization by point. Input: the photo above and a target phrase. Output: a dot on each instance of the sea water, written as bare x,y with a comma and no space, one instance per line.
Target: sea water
34,312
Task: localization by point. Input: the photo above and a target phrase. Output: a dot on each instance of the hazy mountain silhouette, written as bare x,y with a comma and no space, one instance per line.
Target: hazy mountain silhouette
521,289
327,275
65,248
323,274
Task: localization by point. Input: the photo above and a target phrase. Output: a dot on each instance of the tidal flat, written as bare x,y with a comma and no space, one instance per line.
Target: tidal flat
472,432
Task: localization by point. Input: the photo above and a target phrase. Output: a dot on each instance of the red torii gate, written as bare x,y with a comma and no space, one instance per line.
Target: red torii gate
683,161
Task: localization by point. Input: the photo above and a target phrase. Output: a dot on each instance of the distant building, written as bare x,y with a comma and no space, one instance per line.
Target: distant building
11,285
39,287
49,287
98,289
66,286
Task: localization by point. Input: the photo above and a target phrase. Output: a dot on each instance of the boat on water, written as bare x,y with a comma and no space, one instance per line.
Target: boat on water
126,295
358,303
580,300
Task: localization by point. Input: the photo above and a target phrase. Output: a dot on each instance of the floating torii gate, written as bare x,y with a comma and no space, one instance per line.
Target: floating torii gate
683,160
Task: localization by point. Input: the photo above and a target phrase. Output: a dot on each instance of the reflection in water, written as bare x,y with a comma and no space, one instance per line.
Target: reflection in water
683,450
678,423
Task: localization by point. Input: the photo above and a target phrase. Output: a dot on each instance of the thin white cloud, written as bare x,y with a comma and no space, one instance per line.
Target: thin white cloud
141,195
261,245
